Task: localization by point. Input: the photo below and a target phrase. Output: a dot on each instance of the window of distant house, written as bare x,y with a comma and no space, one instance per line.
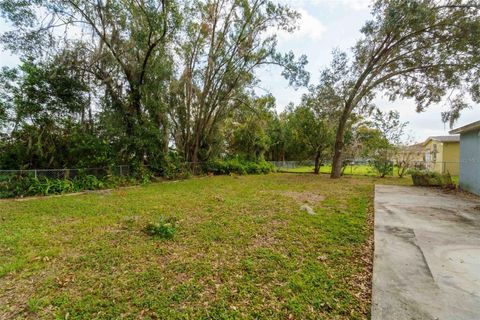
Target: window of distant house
427,155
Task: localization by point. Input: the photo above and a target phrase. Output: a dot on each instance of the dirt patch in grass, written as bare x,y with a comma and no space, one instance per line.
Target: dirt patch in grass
265,240
304,197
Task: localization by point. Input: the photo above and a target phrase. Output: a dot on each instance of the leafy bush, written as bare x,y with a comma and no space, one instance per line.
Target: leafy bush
14,186
45,186
164,228
27,185
88,182
21,186
238,166
113,181
431,179
382,167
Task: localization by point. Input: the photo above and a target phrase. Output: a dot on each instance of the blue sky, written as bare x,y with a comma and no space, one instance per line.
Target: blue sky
326,25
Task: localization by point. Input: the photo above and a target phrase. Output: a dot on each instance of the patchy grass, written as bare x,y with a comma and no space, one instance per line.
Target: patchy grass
242,249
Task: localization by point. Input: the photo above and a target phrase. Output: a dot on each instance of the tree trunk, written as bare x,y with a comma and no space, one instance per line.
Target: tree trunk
339,144
317,163
196,147
162,123
90,119
135,98
136,122
165,138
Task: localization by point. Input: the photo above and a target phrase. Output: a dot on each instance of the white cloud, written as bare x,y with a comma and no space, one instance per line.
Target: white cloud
349,4
355,4
309,28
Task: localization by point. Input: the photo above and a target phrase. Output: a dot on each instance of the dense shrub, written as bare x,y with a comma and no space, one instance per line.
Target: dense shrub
383,167
238,166
431,179
89,182
46,186
21,186
174,167
27,185
14,186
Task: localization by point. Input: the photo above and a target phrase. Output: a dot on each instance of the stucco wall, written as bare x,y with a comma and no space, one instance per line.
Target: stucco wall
470,161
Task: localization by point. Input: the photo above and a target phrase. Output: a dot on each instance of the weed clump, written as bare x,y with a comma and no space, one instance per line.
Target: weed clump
164,228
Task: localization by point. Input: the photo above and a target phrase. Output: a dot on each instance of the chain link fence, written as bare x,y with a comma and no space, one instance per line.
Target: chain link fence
352,166
196,168
285,165
122,170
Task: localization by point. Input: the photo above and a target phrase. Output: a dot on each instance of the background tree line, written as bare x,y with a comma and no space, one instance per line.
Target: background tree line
133,82
156,82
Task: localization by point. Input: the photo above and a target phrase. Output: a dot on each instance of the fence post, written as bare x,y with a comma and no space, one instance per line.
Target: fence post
121,172
35,173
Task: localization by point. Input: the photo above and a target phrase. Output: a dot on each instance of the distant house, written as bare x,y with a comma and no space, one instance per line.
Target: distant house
412,154
442,154
469,156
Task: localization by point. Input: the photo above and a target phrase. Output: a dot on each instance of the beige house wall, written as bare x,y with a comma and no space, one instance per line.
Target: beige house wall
451,157
446,158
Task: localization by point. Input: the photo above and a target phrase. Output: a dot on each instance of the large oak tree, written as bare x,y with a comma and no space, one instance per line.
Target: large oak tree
424,49
224,43
118,46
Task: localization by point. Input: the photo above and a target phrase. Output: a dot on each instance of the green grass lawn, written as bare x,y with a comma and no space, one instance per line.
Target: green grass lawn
243,250
362,170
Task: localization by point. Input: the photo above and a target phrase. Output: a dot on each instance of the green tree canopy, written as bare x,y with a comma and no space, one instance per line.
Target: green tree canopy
425,50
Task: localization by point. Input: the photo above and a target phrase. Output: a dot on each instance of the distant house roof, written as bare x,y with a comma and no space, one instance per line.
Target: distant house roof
452,138
416,146
413,148
469,127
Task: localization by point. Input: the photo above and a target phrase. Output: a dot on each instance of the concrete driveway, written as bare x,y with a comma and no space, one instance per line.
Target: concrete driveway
427,255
